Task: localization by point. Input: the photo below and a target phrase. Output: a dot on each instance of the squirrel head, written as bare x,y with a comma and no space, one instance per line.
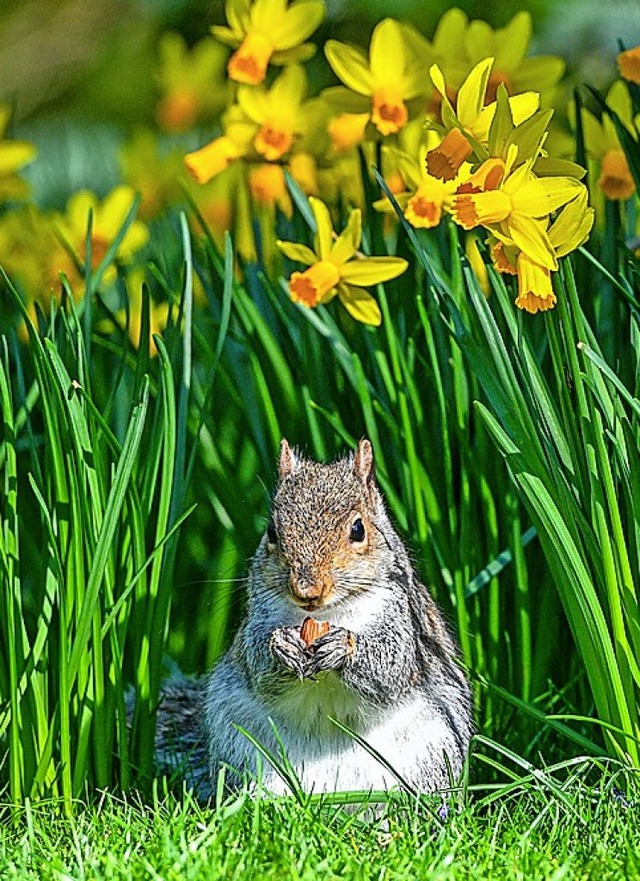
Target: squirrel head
322,544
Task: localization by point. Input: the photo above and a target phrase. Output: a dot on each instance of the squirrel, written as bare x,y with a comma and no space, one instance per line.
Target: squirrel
338,626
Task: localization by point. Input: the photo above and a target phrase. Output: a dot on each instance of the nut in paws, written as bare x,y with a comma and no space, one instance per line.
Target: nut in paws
332,650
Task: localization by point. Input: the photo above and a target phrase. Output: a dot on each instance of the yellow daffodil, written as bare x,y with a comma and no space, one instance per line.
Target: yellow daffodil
267,31
14,155
629,64
458,45
263,125
207,162
335,268
268,187
515,206
382,85
603,144
191,81
277,112
535,289
422,196
467,128
107,219
27,243
568,231
347,130
509,46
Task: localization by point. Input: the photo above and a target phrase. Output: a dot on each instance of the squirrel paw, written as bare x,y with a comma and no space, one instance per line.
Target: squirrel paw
332,650
288,648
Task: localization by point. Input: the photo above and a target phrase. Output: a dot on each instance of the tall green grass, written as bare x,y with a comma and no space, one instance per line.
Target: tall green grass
135,489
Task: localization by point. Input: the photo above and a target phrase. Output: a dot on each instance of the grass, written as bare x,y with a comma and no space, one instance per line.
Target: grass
544,830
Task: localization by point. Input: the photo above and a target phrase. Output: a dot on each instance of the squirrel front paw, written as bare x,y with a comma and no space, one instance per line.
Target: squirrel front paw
331,651
288,648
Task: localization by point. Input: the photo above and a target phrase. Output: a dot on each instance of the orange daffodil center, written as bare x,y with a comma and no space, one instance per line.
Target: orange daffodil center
335,267
311,286
249,63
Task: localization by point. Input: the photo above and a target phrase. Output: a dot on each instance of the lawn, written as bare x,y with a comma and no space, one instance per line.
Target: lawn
576,831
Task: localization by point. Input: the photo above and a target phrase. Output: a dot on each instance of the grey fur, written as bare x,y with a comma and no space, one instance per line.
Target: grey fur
387,667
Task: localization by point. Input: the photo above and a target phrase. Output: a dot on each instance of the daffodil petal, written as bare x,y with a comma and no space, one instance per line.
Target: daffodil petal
297,252
471,93
226,35
238,14
372,270
324,227
513,42
531,237
289,88
347,242
540,196
15,154
540,73
386,52
298,22
114,209
572,226
350,65
360,305
523,106
254,102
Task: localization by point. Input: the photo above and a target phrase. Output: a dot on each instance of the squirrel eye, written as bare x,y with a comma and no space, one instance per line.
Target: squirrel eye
272,535
357,533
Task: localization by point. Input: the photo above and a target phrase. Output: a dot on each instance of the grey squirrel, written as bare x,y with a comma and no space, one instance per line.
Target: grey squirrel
338,625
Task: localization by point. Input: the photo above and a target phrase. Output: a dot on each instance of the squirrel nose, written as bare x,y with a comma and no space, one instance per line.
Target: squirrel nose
304,585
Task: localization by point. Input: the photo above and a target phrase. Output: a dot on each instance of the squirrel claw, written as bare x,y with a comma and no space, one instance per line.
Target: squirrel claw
332,650
287,648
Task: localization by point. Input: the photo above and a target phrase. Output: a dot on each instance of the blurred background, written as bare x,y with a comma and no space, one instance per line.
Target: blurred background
82,75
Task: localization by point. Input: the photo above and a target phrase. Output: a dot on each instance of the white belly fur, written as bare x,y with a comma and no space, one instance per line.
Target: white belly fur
326,759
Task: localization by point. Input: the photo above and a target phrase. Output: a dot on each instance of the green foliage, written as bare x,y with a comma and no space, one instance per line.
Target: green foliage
135,488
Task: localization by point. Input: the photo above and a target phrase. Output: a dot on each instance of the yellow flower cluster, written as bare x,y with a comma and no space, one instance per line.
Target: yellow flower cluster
463,125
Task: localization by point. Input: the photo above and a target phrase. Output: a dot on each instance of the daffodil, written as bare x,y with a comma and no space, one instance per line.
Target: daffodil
512,68
459,44
27,244
268,187
567,231
422,197
267,31
467,128
14,155
335,268
263,124
384,85
108,217
535,289
191,81
629,64
603,144
515,206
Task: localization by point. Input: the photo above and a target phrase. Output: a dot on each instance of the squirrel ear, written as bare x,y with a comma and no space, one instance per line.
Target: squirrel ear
363,462
288,462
